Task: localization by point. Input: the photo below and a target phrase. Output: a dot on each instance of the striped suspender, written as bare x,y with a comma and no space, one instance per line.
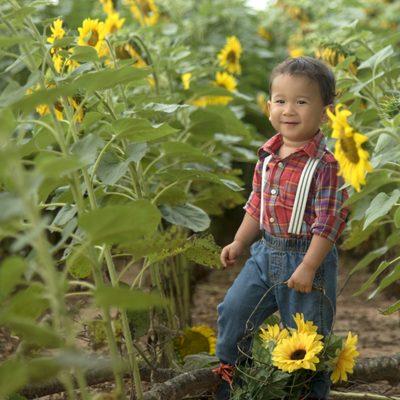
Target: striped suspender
299,206
301,197
264,171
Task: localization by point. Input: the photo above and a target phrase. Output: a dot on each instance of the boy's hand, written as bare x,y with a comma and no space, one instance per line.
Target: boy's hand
302,278
230,253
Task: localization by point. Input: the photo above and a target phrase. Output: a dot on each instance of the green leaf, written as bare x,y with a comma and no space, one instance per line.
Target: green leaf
165,108
86,148
84,54
111,169
392,309
377,58
139,322
136,151
217,119
54,167
121,223
356,89
186,152
204,251
126,299
141,130
105,79
368,258
64,215
380,206
31,332
13,376
7,124
10,207
394,276
109,78
187,215
382,266
358,235
397,218
172,196
182,175
9,41
79,265
29,303
11,270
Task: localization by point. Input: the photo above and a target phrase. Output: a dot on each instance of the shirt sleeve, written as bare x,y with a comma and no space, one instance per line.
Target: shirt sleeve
331,216
252,206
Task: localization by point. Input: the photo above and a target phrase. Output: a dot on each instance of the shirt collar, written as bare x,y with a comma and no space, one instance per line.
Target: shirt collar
314,148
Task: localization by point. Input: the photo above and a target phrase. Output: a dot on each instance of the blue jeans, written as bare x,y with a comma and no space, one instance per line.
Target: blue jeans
273,260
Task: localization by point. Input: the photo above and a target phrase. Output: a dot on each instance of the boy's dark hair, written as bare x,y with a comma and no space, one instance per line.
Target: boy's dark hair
314,69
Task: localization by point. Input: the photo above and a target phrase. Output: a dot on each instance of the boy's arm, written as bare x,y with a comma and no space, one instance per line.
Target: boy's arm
248,230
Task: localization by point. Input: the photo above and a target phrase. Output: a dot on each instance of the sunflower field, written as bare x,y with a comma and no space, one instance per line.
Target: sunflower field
128,135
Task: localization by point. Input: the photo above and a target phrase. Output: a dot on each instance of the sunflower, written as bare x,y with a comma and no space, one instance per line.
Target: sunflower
306,326
108,6
229,56
345,359
205,101
295,51
58,62
79,110
127,51
145,11
352,158
334,54
92,33
113,23
262,103
262,32
196,339
186,77
226,81
57,31
273,333
299,351
43,109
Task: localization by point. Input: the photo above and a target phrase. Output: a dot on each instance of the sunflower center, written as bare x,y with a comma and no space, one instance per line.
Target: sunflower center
58,106
350,149
144,7
94,38
122,53
231,57
298,354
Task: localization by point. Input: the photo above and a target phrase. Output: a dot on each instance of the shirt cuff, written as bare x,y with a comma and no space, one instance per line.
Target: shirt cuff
252,209
329,227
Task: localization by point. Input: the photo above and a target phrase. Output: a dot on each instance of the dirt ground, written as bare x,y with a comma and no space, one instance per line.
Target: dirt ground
378,334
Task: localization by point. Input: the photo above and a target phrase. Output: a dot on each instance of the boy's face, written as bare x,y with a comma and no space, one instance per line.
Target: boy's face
296,109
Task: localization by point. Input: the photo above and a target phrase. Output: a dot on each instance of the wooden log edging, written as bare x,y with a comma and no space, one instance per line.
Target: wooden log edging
174,385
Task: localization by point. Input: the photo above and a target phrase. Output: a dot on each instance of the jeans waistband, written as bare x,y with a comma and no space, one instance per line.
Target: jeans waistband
286,244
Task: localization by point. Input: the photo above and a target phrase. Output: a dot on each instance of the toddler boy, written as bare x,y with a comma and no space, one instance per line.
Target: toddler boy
297,205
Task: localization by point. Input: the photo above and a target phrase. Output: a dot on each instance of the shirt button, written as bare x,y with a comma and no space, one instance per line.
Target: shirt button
280,165
272,219
274,191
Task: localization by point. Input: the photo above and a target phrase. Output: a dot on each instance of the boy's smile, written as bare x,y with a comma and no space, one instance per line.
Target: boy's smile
296,108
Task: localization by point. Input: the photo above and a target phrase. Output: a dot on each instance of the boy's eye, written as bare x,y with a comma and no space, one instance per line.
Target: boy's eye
279,101
302,102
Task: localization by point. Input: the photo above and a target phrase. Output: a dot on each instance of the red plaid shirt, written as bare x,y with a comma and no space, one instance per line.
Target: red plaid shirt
324,214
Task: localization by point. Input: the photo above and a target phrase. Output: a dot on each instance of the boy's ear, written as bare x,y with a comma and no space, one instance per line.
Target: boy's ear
269,109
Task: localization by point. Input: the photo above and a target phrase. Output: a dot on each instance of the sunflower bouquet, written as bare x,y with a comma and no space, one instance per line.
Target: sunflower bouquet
284,361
